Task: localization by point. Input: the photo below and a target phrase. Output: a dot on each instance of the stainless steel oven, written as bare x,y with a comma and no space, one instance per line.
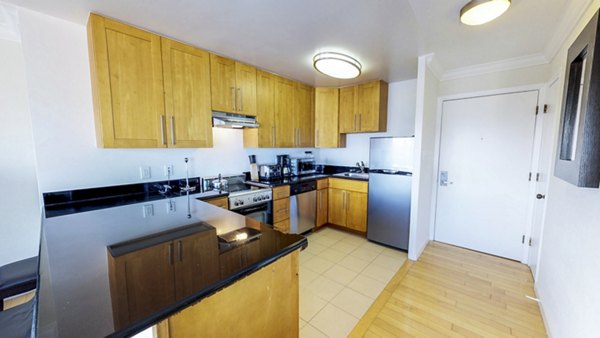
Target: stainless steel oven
256,203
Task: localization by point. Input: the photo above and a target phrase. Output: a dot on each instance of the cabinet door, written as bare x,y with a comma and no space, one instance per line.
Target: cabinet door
337,207
372,106
245,78
322,207
305,117
142,283
347,117
222,84
196,262
264,135
187,95
284,113
356,207
327,133
127,84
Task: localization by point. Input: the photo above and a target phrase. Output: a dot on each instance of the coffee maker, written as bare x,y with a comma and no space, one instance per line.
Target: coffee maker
285,164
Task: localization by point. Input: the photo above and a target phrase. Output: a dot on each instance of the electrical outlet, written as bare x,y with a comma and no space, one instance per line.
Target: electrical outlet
145,172
148,210
170,207
168,170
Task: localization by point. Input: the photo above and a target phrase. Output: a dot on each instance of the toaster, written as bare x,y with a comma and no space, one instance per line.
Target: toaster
269,171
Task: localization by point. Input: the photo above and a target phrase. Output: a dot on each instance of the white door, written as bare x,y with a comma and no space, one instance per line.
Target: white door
486,148
545,163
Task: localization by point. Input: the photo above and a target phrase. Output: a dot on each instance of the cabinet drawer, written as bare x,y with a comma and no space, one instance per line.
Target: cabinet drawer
283,226
350,185
281,192
281,210
322,184
222,202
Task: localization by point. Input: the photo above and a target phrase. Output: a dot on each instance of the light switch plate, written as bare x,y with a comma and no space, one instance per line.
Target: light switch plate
145,172
148,210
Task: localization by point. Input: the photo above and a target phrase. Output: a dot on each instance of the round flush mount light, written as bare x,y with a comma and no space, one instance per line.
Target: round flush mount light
337,65
478,12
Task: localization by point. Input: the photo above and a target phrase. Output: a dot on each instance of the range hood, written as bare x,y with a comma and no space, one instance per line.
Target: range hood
236,121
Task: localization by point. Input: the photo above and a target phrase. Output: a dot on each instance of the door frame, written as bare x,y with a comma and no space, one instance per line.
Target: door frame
534,167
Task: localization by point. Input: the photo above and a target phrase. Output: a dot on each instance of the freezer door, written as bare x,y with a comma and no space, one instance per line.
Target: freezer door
389,209
391,153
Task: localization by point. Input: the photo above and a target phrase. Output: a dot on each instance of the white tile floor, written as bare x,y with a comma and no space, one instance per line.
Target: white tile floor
341,274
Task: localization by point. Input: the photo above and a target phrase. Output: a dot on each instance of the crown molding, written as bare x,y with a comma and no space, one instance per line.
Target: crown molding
496,66
9,23
566,28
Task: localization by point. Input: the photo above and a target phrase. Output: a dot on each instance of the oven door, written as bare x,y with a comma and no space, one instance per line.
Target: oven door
261,212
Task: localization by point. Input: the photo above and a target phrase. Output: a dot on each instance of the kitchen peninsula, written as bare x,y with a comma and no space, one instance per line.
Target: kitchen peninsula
181,263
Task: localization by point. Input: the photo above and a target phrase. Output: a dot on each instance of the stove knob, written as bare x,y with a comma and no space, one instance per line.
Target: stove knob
237,203
255,199
267,197
241,202
260,198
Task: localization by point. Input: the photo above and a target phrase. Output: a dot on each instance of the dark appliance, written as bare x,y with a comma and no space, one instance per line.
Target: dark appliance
303,166
284,162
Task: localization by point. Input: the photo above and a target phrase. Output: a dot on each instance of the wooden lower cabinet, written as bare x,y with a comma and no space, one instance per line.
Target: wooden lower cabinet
235,259
143,281
348,204
281,208
283,226
322,207
222,202
263,304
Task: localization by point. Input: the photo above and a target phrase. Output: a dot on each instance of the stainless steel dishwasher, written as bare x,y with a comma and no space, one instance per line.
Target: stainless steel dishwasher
303,206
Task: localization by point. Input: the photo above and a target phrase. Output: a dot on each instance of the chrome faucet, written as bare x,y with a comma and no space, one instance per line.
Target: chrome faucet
187,187
361,166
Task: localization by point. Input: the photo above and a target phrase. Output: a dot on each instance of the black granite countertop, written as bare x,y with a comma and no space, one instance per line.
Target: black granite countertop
299,179
75,296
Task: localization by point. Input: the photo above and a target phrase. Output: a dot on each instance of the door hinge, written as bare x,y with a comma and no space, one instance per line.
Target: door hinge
537,109
523,240
545,108
537,177
529,241
530,176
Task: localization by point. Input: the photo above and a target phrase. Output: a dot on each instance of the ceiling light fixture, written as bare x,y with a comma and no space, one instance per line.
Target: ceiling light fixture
478,12
337,65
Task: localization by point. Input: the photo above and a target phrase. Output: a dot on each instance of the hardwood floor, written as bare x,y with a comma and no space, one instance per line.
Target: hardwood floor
454,292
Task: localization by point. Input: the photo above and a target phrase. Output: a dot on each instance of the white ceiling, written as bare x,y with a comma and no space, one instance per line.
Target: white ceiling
385,35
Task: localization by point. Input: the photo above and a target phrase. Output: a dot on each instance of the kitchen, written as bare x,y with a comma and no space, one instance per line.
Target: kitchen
58,86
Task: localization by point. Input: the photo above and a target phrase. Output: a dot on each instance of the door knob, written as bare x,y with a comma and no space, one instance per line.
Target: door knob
540,196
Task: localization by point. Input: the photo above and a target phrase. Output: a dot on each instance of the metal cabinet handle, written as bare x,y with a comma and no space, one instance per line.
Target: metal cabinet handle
180,245
173,130
354,128
171,260
347,201
316,137
241,99
274,137
162,129
234,98
320,200
343,199
359,122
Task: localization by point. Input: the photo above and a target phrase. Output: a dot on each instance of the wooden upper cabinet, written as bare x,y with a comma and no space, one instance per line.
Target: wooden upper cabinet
264,136
285,126
304,116
233,86
222,83
127,85
187,95
347,115
245,78
372,106
363,108
327,134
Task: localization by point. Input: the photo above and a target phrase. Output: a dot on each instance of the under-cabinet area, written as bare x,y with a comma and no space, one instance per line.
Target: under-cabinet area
153,92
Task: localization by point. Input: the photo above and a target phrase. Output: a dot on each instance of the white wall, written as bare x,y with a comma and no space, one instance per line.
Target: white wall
569,269
19,205
422,202
58,74
401,122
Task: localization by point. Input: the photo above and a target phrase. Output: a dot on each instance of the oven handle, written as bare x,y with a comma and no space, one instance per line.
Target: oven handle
252,209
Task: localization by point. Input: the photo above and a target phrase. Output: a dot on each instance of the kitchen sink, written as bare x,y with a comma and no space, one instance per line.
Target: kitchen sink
364,176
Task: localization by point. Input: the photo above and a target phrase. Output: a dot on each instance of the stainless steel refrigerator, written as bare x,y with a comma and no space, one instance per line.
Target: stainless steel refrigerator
390,180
